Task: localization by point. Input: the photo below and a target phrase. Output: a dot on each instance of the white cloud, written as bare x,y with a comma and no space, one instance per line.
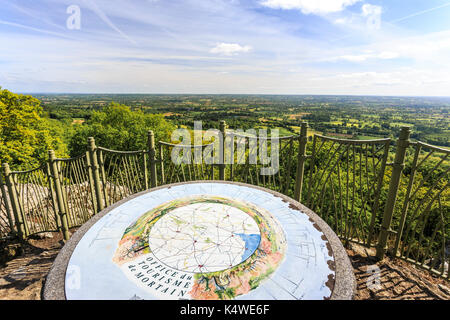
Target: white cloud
230,49
343,21
310,6
369,10
190,46
385,55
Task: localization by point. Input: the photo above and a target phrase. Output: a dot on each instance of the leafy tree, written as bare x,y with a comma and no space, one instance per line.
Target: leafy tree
117,127
25,136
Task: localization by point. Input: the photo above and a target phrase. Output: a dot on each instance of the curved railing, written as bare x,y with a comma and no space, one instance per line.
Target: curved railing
187,167
344,184
122,173
422,233
366,190
246,163
7,221
76,190
36,212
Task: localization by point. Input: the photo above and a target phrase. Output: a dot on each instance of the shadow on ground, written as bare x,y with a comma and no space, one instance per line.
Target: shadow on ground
22,278
23,273
393,279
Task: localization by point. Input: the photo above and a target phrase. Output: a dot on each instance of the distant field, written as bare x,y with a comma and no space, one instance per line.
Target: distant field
78,121
360,117
282,131
366,138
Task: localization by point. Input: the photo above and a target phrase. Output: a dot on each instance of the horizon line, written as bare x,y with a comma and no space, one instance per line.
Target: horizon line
233,94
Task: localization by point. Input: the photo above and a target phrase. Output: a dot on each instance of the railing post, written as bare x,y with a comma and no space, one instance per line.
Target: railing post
54,200
20,224
145,168
223,127
101,164
303,139
92,148
161,159
152,158
7,207
406,202
59,195
398,165
91,183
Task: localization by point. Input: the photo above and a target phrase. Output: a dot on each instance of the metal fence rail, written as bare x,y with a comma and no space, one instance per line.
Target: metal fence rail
247,164
122,174
76,190
188,166
344,182
423,230
5,229
34,209
347,182
6,218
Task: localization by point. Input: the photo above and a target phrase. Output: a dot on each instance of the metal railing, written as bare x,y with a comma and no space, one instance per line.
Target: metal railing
344,185
245,161
121,174
368,191
423,229
76,190
6,219
31,200
186,168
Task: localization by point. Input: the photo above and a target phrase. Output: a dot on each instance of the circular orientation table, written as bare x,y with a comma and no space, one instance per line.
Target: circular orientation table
203,240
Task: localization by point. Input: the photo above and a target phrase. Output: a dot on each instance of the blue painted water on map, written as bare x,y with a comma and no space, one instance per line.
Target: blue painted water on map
251,244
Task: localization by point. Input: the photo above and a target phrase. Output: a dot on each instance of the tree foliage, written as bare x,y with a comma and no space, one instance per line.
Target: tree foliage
117,127
25,136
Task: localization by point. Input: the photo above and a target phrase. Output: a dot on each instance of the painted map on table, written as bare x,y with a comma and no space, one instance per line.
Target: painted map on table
224,247
206,241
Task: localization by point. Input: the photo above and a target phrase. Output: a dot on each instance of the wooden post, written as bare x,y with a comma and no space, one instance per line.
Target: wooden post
161,159
54,201
152,158
303,139
145,168
223,126
101,164
92,149
398,165
91,182
376,203
10,183
7,207
61,181
59,195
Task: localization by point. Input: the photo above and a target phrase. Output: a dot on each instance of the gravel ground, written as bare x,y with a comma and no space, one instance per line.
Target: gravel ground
22,278
398,280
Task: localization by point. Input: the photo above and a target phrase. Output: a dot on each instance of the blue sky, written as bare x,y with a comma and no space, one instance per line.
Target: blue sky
396,47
